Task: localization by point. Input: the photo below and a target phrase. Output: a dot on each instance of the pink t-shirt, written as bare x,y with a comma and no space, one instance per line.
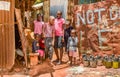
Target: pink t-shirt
59,26
49,29
38,27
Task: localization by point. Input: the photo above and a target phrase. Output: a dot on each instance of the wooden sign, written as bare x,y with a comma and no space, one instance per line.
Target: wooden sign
4,5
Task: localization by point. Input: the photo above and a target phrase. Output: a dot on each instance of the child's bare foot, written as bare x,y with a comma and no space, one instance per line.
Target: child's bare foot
70,64
39,62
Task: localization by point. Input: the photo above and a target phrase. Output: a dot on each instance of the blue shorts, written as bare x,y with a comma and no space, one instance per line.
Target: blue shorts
58,42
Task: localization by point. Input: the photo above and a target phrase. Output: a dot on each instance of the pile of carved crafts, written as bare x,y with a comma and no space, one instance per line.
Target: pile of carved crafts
111,61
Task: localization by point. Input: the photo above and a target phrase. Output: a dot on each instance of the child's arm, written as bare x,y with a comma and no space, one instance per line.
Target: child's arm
43,24
44,28
53,35
68,43
76,40
34,46
63,27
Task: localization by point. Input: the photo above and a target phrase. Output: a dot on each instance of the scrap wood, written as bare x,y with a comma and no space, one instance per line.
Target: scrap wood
21,32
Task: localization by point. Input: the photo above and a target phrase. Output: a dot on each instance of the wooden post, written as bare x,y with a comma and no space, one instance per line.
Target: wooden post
21,32
46,9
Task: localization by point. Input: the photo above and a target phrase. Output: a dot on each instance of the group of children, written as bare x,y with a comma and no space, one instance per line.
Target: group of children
55,35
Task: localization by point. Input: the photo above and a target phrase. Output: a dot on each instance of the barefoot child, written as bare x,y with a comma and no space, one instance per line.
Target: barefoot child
67,32
49,33
72,47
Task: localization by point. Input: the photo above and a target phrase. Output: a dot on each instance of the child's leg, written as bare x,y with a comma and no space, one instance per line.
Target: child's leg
41,53
70,57
74,56
70,60
46,52
75,61
41,59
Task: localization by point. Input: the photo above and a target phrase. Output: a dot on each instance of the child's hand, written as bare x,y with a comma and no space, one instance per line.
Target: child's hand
43,41
52,43
36,51
62,39
37,44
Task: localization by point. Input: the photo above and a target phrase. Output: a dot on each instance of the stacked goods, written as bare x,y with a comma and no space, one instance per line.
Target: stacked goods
89,61
99,60
111,61
93,62
85,60
116,62
108,63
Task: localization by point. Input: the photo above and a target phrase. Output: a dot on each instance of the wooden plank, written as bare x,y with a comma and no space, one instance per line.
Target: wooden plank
21,33
11,32
46,9
1,43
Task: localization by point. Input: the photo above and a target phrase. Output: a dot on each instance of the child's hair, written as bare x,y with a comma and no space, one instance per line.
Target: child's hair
39,15
67,22
36,35
59,12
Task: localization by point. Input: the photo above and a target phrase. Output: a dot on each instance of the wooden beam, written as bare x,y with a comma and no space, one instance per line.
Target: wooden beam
22,35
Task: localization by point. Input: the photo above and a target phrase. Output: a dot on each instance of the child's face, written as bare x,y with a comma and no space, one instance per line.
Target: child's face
73,34
39,18
58,15
67,25
52,21
37,38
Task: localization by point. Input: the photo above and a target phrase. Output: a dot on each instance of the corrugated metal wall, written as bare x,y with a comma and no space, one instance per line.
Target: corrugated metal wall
7,36
56,5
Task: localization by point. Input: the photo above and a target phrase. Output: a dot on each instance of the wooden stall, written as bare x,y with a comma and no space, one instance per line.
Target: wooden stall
7,34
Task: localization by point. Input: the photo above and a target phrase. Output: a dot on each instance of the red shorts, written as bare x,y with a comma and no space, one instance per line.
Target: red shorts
41,52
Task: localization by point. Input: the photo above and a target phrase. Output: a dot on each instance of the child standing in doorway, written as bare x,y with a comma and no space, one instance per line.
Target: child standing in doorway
72,47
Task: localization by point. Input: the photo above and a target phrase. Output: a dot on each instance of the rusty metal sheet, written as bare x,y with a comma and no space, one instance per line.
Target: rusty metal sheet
7,35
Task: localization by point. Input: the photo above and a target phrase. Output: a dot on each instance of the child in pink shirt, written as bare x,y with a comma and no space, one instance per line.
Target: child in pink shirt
38,25
49,33
59,36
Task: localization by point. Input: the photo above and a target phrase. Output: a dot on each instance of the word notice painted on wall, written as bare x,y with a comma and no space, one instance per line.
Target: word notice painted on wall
4,5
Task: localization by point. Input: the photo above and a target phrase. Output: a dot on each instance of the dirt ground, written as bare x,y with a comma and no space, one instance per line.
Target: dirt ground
63,70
